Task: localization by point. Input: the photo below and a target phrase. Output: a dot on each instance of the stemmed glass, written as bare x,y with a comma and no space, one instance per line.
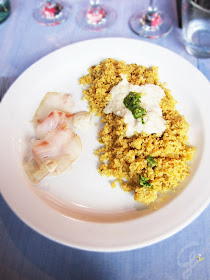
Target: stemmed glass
51,12
151,23
96,17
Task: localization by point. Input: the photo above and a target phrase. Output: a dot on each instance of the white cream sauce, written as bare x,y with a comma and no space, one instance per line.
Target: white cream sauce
151,96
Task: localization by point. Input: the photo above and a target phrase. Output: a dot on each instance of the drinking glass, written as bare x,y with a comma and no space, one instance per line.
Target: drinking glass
151,23
51,12
96,17
196,27
5,10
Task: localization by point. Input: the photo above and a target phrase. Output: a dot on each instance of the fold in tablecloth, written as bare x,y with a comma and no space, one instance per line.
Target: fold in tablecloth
5,83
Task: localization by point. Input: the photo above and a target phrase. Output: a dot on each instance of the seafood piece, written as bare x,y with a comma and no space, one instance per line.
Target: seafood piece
36,172
81,120
58,146
57,149
53,101
56,119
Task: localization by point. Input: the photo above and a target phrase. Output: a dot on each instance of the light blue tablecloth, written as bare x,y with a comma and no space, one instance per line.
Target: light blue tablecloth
24,254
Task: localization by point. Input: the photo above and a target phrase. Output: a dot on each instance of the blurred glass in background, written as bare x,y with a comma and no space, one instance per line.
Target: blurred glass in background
5,10
196,27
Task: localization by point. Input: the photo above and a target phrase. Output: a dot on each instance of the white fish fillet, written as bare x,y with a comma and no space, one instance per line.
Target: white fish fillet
57,143
56,119
53,101
58,146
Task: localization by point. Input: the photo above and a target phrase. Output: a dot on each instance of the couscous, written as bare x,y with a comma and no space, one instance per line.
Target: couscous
144,163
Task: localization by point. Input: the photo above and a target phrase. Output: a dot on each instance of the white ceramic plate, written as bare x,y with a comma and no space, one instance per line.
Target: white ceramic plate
80,209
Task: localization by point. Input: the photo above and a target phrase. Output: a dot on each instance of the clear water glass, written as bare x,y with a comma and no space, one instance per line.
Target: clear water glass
196,27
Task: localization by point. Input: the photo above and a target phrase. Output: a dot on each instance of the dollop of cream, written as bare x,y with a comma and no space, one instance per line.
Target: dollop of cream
151,96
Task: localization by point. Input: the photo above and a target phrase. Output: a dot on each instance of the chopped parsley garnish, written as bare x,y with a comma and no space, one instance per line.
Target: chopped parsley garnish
143,181
133,103
151,162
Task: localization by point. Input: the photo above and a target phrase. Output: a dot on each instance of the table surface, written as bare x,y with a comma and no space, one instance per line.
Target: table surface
25,254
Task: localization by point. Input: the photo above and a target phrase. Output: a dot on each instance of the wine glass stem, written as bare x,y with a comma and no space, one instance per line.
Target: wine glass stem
152,6
151,11
94,3
50,3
